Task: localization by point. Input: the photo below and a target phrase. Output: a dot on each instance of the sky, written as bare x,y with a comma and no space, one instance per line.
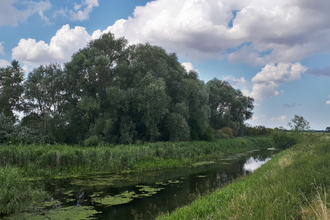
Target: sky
277,52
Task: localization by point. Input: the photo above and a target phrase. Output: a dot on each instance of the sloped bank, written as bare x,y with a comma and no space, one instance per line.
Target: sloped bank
293,185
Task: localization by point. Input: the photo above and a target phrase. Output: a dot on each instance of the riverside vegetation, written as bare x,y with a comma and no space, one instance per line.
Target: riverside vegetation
22,163
293,185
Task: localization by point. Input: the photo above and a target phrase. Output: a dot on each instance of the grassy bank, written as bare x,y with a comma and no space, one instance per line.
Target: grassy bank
41,160
20,162
293,185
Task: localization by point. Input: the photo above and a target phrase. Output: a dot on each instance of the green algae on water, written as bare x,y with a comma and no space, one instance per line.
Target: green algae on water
112,200
71,212
201,163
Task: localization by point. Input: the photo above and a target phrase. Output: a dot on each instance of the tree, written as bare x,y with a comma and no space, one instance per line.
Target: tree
46,100
327,129
11,88
228,106
298,123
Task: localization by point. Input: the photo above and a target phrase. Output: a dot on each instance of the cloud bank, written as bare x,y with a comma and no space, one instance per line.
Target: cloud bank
60,49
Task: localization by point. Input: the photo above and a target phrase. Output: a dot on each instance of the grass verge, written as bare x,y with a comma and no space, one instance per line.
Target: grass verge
284,188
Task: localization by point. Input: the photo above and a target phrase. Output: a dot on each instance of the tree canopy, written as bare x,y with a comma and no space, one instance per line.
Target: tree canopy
113,92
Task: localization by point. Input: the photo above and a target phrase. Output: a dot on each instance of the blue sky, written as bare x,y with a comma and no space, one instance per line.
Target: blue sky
278,52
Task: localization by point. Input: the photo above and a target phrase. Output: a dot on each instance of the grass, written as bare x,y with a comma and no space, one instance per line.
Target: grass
46,160
283,188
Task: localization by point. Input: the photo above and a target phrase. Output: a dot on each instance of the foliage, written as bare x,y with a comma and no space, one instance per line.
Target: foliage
228,131
327,129
16,193
257,130
112,92
298,123
228,106
283,140
219,134
11,88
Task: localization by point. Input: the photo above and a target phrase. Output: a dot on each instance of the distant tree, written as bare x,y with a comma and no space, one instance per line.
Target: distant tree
327,129
298,123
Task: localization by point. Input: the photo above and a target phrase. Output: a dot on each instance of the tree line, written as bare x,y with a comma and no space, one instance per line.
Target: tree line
117,93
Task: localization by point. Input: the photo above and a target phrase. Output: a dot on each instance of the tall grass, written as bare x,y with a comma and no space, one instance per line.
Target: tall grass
283,188
15,192
60,159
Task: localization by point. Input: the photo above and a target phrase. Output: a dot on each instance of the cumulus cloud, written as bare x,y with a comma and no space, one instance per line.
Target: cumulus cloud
319,72
4,63
77,14
271,77
9,15
256,31
60,49
188,66
293,105
328,102
282,118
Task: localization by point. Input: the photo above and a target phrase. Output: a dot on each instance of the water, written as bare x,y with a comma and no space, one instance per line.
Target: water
146,195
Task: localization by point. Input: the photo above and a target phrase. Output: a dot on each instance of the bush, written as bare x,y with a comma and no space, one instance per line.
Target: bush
219,134
209,134
92,141
228,131
283,140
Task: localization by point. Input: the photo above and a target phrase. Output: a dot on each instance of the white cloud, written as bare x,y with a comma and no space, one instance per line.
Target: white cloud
262,116
328,102
282,118
9,15
4,63
77,14
60,49
188,66
276,31
271,77
2,49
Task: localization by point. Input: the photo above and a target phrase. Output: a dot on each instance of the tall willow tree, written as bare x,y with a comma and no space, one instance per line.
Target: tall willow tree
229,107
112,92
122,94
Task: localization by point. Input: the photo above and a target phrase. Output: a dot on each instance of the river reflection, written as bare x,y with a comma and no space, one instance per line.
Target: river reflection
154,192
254,163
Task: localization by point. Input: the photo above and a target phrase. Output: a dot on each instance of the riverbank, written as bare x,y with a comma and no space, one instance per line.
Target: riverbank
23,162
293,185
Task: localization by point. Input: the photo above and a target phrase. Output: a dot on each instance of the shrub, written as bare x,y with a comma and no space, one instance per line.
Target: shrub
209,134
283,140
92,141
219,134
228,131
